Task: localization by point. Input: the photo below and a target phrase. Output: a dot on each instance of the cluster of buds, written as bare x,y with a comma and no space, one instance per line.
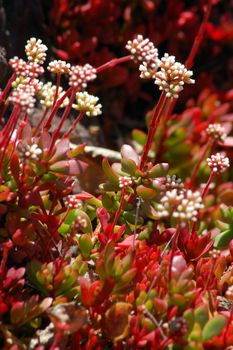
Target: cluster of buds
59,67
216,132
79,76
215,253
26,69
172,76
229,293
143,50
36,50
47,95
125,181
172,182
23,97
28,153
180,205
218,163
18,65
35,85
88,104
71,201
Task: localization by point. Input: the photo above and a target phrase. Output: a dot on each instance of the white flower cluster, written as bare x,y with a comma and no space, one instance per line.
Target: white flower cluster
28,152
24,69
172,76
72,202
88,104
218,162
216,131
47,94
23,96
182,205
59,67
81,75
215,253
36,50
143,50
125,181
172,182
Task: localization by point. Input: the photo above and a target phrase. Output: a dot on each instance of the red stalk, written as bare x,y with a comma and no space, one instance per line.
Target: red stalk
77,120
56,107
7,88
57,89
174,240
157,114
113,63
199,37
211,177
63,118
35,131
206,148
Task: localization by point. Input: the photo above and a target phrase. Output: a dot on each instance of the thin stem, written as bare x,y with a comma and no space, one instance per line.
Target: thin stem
138,204
199,37
75,123
174,241
157,114
227,328
7,88
118,212
164,131
35,131
63,118
56,107
211,177
206,148
113,63
57,89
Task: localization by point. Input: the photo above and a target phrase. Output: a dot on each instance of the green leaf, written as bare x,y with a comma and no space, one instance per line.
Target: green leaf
223,239
213,327
108,171
201,315
139,136
145,192
158,170
85,245
129,166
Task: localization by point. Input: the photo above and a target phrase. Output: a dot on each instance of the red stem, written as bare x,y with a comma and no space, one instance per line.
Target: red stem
199,37
63,118
57,89
35,131
56,107
211,177
157,114
113,63
227,328
7,88
77,120
206,148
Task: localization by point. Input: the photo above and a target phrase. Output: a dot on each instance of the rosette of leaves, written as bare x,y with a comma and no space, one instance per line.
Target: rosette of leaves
145,184
57,278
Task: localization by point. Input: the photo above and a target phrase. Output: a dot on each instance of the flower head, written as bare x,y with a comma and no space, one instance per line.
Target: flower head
81,75
36,50
47,94
59,67
23,96
143,50
216,132
218,162
125,181
28,153
172,76
88,104
181,205
72,202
